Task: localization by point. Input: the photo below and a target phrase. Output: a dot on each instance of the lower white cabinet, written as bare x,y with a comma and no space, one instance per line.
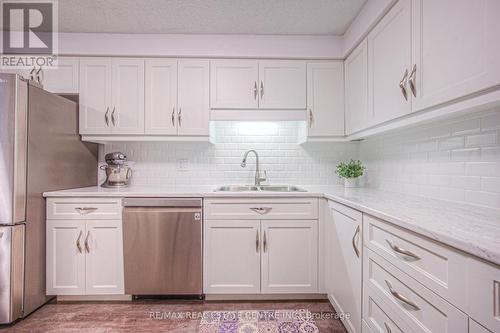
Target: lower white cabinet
84,257
260,256
343,258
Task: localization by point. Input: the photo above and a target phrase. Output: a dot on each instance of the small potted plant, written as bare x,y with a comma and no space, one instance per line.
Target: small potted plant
350,172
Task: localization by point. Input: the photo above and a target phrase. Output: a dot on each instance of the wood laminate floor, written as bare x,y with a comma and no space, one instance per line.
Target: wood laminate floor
150,316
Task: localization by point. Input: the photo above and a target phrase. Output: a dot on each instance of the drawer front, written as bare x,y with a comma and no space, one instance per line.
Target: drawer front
380,317
261,209
484,294
84,208
420,308
438,267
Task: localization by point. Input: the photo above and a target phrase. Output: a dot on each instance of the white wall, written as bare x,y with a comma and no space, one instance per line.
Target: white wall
456,160
286,162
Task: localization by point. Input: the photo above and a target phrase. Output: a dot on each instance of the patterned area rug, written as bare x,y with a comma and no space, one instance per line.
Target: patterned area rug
269,321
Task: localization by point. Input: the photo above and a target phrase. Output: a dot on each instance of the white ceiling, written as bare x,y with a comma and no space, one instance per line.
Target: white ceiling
261,17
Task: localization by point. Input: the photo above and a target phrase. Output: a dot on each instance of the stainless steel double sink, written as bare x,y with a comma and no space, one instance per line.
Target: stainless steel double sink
263,188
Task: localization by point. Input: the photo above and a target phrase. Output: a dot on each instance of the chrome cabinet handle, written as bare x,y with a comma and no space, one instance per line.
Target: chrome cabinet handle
179,117
265,242
411,80
311,118
261,210
173,116
85,210
402,85
388,329
402,251
78,245
106,117
401,297
261,89
257,241
113,116
255,90
354,246
87,247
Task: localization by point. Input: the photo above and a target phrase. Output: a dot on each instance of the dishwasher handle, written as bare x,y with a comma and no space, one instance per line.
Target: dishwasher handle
162,202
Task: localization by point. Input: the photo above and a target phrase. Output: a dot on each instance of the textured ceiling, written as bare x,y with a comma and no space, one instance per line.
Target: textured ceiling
294,17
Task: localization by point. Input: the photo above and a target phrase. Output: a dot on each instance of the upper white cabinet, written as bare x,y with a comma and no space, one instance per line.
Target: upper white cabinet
389,60
234,84
64,78
344,262
95,96
357,116
282,84
252,84
127,114
193,97
161,97
177,97
286,267
456,49
111,96
325,98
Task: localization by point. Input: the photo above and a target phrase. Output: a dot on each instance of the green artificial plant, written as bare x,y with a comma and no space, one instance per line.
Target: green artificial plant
353,169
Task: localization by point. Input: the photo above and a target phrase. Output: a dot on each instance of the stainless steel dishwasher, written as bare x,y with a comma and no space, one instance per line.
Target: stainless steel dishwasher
162,240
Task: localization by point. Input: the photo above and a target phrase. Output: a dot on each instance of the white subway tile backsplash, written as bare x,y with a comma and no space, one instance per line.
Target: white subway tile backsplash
484,139
451,143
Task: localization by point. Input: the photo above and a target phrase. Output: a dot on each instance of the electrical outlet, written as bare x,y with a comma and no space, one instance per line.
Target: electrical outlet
183,164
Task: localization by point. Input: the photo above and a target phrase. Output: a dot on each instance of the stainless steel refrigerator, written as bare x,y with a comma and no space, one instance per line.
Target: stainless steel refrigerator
40,150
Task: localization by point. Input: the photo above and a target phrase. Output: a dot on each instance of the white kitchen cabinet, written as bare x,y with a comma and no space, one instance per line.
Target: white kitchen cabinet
193,97
231,256
64,78
234,84
344,247
282,84
161,97
65,257
357,115
289,256
104,257
389,60
95,96
325,98
455,49
127,114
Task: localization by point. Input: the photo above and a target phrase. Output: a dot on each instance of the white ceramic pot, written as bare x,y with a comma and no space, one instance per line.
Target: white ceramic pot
351,182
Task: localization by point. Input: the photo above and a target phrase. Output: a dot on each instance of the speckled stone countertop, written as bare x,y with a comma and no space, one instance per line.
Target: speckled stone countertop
472,229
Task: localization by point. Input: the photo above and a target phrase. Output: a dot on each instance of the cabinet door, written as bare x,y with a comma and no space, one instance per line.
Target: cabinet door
345,255
455,49
65,257
104,257
233,84
231,256
325,98
63,78
282,84
389,59
127,114
95,96
357,116
289,256
161,97
194,108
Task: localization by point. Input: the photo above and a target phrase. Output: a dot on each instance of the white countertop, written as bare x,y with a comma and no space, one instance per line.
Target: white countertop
472,229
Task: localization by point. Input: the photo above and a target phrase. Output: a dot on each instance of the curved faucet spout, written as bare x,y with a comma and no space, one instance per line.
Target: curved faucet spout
258,178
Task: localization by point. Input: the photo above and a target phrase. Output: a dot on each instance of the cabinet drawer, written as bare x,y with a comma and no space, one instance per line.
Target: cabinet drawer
436,266
84,208
484,294
380,317
261,208
421,309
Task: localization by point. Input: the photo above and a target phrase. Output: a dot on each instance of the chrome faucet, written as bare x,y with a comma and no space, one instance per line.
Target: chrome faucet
258,178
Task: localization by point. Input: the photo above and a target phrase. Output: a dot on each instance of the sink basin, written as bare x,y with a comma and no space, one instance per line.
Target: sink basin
264,188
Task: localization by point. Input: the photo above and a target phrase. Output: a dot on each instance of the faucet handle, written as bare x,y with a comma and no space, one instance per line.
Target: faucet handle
263,179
